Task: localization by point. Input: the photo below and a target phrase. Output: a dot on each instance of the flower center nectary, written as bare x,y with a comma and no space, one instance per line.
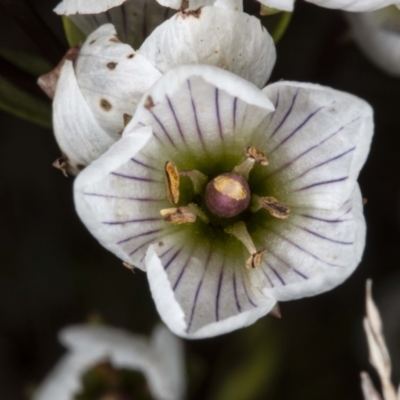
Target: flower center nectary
227,195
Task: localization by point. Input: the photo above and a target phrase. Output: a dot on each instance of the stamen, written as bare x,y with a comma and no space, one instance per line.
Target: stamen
172,175
178,216
196,210
241,233
253,156
273,206
198,179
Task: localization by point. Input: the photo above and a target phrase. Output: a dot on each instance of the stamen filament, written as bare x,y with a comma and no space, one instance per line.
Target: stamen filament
196,210
241,233
199,180
253,156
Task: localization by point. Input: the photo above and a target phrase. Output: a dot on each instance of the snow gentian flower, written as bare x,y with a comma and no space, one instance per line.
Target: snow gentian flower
228,205
378,35
347,5
103,361
94,95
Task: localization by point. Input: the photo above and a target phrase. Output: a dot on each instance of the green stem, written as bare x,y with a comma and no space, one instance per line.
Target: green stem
281,26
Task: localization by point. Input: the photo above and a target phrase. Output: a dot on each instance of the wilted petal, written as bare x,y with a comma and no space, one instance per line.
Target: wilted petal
78,134
112,78
378,35
318,140
67,7
213,36
134,20
312,251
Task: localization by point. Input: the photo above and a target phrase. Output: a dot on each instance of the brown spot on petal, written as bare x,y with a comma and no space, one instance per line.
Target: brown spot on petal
115,40
191,13
274,207
91,42
112,65
149,103
172,178
80,167
105,105
130,55
184,4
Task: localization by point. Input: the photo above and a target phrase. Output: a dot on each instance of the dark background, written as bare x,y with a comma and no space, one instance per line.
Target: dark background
53,273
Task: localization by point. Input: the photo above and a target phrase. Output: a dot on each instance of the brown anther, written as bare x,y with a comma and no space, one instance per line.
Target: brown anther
256,155
255,259
129,266
61,164
172,176
149,103
180,215
274,207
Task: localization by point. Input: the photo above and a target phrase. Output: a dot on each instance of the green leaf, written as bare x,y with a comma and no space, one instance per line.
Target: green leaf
24,105
30,63
74,35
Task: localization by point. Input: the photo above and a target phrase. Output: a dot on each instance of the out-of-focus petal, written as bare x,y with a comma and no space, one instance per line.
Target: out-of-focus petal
68,7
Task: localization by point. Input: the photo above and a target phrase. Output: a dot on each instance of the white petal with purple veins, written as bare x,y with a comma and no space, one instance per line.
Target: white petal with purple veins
313,250
78,134
213,36
206,298
112,77
67,7
317,141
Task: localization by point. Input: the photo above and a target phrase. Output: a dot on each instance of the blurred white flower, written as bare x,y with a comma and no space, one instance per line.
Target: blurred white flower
159,359
378,354
378,35
347,5
94,96
214,262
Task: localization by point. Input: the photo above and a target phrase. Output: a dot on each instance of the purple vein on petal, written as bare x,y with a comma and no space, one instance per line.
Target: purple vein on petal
298,128
234,112
162,127
267,276
166,252
221,277
167,265
195,114
305,250
135,178
289,163
218,114
305,277
275,272
316,234
144,244
145,165
131,221
182,272
247,294
171,107
321,164
288,112
140,235
344,178
198,290
235,292
109,196
329,221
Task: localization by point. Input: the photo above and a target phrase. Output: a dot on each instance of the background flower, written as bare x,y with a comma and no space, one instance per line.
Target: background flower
160,360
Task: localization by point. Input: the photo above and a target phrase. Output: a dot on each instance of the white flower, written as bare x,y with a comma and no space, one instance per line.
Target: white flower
304,232
378,35
347,5
160,360
108,79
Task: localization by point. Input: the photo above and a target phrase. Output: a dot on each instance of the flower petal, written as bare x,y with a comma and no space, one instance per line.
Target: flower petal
313,250
112,77
78,134
189,5
318,140
199,294
376,37
63,383
213,36
68,7
134,20
284,5
354,5
119,199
